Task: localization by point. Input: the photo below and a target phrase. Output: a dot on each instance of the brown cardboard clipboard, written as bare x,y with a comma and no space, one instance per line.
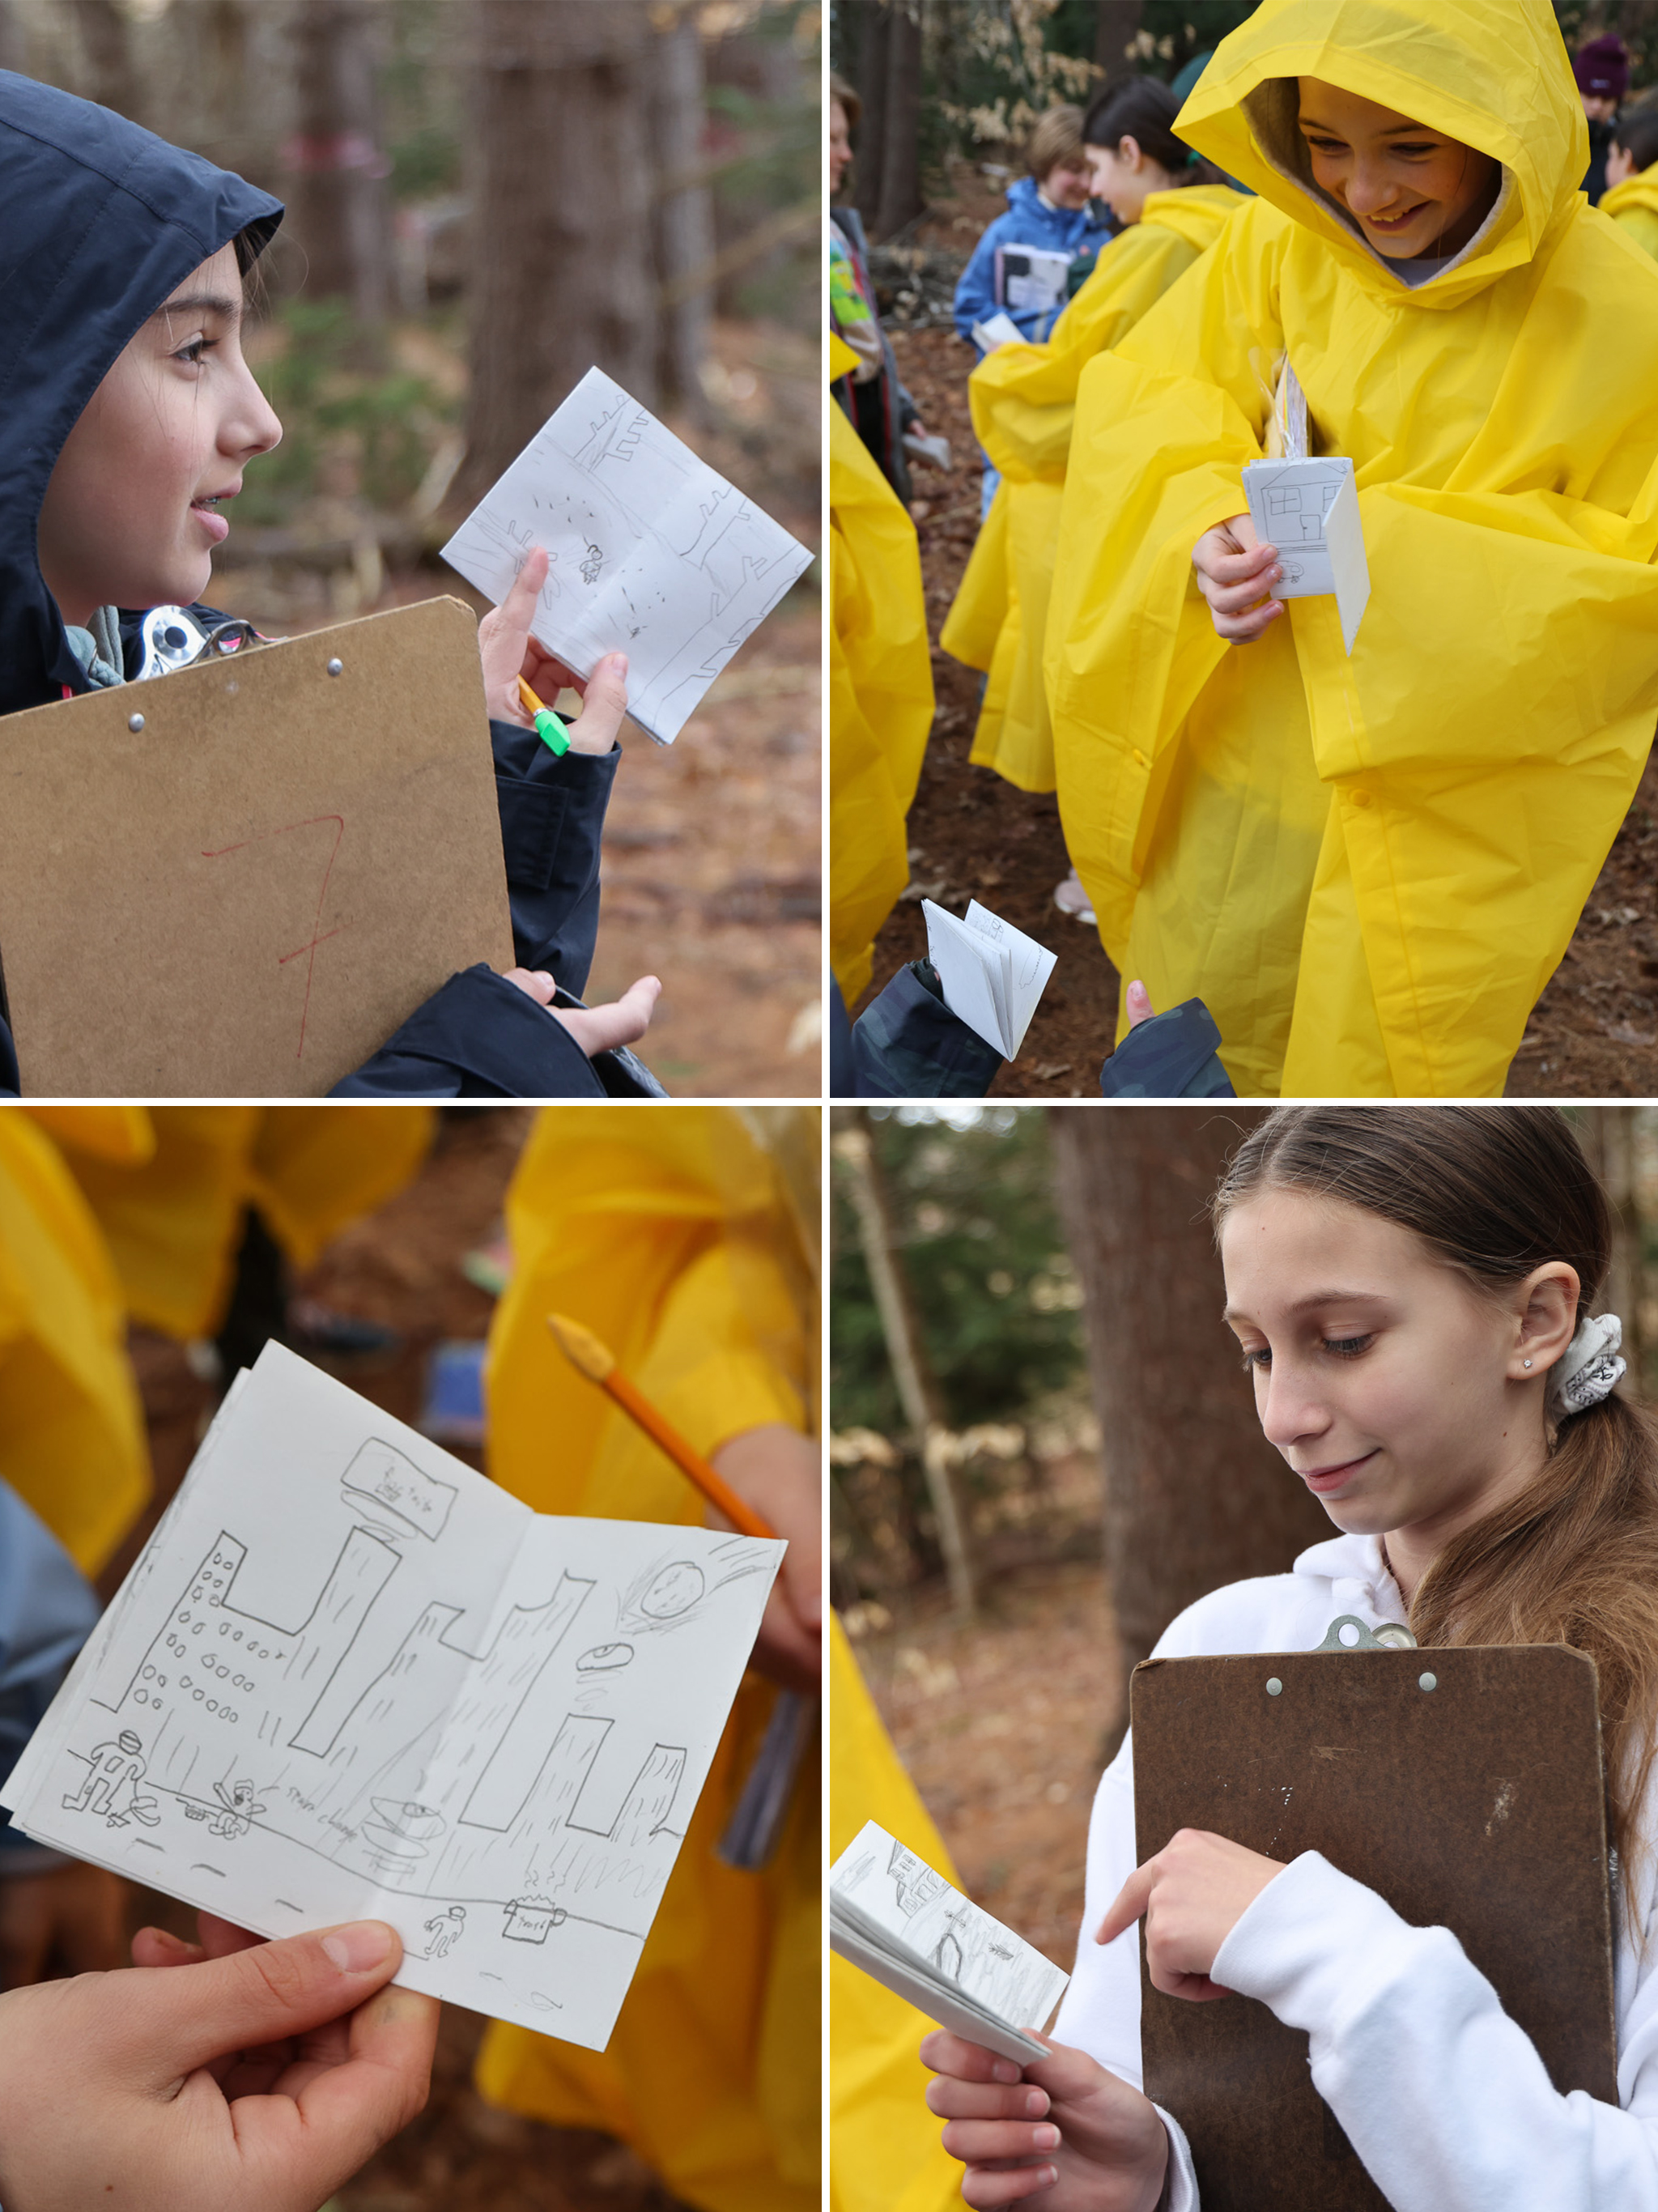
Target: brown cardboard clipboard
247,895
1477,1805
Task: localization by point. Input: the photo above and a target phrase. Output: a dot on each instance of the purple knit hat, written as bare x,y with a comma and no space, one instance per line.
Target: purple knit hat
1601,68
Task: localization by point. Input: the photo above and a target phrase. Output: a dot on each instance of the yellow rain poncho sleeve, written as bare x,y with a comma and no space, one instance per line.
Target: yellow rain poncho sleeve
1024,399
687,1241
172,1209
1634,206
880,695
72,1439
884,2151
1369,867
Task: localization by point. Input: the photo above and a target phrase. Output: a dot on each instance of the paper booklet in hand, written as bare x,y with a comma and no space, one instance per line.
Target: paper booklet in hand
992,974
1031,276
890,1914
997,329
650,552
1307,506
349,1678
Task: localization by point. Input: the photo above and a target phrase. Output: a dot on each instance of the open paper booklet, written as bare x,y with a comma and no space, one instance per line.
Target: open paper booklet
997,329
350,1678
1031,276
1307,506
992,974
650,552
890,1914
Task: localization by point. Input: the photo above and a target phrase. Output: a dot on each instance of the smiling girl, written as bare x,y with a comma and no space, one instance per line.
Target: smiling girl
1368,867
128,415
1412,1290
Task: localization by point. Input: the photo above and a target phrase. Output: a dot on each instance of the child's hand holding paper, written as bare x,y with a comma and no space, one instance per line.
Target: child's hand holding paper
992,974
509,649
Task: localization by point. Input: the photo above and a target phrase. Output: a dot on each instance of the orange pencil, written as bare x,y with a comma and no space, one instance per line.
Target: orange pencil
597,1363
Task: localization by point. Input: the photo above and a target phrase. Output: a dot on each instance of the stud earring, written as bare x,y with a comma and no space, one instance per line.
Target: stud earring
1525,1363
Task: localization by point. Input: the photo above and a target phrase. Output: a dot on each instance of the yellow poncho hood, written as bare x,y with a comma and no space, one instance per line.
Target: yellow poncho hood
1639,192
1494,76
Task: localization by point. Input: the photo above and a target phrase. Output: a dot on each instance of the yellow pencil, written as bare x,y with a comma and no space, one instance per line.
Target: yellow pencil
551,731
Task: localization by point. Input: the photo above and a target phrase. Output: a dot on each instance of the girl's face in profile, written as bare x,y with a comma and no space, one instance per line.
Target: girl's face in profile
133,510
1392,1387
1067,183
1412,190
1124,178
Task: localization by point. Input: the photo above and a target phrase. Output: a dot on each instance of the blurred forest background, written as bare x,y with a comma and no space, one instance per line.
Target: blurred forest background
485,198
1043,1446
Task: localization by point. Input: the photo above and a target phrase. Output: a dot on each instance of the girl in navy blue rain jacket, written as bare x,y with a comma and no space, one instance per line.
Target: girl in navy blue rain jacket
127,415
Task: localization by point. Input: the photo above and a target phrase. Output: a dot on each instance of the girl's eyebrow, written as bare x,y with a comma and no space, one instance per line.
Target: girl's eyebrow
1229,1313
200,303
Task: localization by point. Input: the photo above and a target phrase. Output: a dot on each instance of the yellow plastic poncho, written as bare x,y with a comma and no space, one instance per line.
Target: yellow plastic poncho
1634,203
880,694
1370,867
1024,399
884,2151
688,1242
172,1197
72,1439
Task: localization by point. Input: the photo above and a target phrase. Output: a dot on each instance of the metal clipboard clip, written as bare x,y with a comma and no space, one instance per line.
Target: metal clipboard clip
1347,1632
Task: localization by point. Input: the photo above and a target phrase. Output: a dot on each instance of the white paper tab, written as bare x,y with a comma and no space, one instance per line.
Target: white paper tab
950,1958
650,552
993,975
349,1678
1309,509
997,330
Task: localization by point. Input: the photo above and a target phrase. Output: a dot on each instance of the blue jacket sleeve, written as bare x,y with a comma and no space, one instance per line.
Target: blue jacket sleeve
11,1084
47,1611
975,289
480,1037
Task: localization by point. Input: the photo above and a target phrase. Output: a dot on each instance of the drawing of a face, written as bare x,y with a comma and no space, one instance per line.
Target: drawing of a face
674,1591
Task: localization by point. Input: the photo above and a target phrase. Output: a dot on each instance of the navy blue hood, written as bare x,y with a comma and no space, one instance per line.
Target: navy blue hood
102,222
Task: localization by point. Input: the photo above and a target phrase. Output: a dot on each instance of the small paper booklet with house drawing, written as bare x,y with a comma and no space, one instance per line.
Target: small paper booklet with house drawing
650,552
992,974
349,1678
890,1914
1307,506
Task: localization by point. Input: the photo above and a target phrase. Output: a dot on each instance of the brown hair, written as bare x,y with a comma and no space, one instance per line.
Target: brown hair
1143,108
839,90
1637,131
1494,1192
1058,137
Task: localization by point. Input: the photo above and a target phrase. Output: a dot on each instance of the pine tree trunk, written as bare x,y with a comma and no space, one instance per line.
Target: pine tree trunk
339,209
874,50
1194,1495
901,162
1116,27
564,277
108,77
685,232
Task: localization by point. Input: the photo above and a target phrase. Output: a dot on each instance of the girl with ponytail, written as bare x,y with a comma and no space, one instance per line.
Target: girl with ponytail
1414,1291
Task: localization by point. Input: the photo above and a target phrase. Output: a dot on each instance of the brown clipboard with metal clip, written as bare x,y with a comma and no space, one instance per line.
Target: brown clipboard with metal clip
238,879
1464,1786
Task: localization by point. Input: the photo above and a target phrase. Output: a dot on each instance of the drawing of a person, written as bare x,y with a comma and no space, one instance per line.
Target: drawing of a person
113,1767
240,1810
446,1930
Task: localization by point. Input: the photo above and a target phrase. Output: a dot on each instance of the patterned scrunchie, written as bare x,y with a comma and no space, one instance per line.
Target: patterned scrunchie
1588,1370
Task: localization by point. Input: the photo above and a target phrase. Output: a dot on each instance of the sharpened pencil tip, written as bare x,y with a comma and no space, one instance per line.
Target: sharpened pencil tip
581,1346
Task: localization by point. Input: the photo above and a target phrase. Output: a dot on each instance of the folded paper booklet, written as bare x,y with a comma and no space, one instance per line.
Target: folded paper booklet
1307,506
992,974
997,330
1031,276
891,1915
650,552
349,1678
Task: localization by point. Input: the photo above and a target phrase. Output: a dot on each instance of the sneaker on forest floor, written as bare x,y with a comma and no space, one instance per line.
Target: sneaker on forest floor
1071,898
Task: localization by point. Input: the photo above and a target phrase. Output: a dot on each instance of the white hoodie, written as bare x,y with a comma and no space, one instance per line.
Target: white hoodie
1444,2098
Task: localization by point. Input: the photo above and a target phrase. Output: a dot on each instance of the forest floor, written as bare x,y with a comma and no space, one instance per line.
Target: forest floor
712,860
402,1267
1592,1034
1003,1727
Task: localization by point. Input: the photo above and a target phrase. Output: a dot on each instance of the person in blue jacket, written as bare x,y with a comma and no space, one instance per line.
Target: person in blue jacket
1050,209
127,417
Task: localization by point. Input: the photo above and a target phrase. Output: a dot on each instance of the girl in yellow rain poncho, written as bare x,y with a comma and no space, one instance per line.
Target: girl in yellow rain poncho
880,694
1024,398
1632,194
1369,867
688,1242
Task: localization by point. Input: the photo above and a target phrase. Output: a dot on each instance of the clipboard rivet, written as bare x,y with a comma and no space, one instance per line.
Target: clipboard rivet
135,723
337,667
1274,1687
1427,1681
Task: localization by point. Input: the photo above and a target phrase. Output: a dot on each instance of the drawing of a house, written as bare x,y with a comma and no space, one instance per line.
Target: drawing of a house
916,1883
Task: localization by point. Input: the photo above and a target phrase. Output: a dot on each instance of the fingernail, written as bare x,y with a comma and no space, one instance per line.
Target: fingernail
1044,2138
1035,2104
360,1946
1004,2070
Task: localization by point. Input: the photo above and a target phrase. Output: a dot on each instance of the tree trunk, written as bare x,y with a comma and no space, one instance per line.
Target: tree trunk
339,210
561,186
1608,1136
1194,1495
1116,27
874,51
917,1391
900,160
108,76
685,212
